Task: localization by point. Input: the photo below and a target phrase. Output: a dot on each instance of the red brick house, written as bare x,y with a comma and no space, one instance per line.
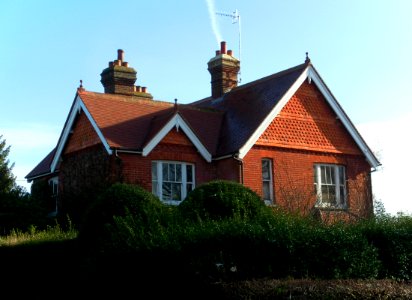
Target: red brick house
285,136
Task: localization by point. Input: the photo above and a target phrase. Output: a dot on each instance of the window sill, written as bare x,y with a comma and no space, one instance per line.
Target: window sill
331,208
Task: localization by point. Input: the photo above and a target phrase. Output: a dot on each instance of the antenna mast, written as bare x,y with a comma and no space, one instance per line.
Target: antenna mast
235,19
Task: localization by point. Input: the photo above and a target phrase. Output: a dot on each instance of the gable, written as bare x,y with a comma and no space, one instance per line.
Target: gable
180,124
308,122
82,135
176,137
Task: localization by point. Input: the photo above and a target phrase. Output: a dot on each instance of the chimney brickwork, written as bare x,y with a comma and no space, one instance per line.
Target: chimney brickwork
224,69
119,78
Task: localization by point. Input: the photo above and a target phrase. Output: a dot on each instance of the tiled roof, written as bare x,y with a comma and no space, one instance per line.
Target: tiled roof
123,120
130,123
246,106
43,167
223,125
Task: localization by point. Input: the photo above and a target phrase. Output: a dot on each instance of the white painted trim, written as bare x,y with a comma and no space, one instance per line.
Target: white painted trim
77,107
272,115
313,77
178,122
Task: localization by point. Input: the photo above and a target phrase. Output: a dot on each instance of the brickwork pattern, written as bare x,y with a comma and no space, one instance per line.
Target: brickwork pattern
83,135
308,122
293,177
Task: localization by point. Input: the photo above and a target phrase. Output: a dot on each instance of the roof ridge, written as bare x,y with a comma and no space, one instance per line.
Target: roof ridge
126,98
269,77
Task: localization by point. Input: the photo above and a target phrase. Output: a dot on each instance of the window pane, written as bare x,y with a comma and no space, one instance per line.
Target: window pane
172,172
166,191
328,194
341,175
265,169
323,174
189,187
154,171
266,191
176,191
179,173
342,195
189,173
332,175
165,172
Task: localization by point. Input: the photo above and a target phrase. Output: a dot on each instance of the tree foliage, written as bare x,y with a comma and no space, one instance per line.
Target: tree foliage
7,180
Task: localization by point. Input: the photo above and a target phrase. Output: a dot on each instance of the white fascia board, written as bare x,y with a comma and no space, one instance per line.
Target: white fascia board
178,122
77,107
96,128
373,162
272,115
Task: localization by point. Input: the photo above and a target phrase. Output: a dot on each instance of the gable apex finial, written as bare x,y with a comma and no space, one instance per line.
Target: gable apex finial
307,60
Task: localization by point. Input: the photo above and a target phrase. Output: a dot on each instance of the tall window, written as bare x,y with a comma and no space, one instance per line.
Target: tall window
267,182
54,192
330,185
172,181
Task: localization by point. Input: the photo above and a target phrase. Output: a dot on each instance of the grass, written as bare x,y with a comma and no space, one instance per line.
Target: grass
35,236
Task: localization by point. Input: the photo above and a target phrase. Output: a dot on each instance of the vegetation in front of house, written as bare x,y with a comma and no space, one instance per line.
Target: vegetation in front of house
129,231
35,236
237,246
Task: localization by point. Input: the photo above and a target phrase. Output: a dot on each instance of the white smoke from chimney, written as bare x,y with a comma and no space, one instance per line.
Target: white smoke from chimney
213,20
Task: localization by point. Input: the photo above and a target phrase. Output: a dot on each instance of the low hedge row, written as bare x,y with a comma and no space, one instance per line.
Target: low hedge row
242,239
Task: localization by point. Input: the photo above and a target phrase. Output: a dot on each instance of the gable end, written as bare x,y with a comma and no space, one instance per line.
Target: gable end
77,107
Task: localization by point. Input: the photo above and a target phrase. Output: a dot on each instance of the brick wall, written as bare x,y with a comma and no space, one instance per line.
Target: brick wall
306,132
83,135
137,169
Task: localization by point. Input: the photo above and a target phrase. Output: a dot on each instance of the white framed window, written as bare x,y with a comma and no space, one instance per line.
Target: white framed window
267,181
172,181
54,193
330,185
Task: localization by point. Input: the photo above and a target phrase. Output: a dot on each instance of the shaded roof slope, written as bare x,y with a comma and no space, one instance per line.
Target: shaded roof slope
43,167
247,106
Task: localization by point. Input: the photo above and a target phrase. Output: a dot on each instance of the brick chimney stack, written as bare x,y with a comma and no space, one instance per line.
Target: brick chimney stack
224,69
119,78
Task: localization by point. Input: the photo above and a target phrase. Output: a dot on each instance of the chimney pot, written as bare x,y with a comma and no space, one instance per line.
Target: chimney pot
120,54
217,52
125,64
229,52
223,47
110,64
144,89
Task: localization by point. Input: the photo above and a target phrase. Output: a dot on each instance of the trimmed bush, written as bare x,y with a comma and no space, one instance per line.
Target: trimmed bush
220,199
119,200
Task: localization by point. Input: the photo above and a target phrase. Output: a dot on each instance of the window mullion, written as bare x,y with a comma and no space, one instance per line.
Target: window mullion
184,182
160,180
337,185
319,186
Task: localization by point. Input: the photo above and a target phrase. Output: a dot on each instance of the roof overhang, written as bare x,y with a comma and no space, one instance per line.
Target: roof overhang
178,122
312,76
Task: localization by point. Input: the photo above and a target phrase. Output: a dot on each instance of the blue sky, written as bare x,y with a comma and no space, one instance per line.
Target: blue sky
362,50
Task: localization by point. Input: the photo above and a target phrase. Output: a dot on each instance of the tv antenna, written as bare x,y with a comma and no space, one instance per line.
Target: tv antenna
235,19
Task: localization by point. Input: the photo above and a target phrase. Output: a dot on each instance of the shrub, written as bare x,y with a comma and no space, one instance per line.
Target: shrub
392,237
119,200
221,199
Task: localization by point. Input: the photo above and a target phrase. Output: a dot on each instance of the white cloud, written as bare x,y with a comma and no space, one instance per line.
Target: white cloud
391,142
